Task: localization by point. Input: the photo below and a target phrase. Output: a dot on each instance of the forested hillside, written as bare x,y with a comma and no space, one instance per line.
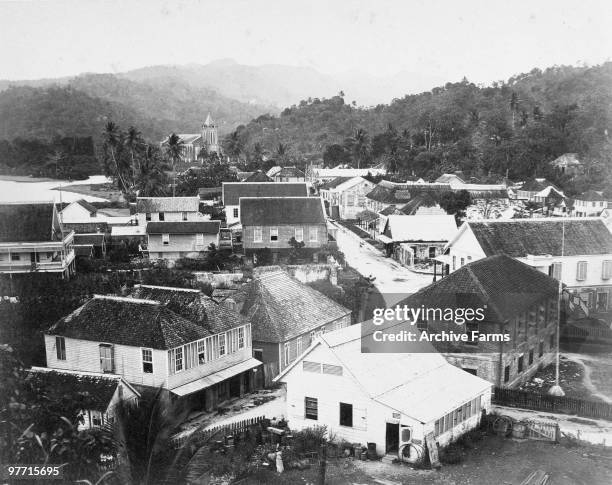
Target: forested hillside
517,126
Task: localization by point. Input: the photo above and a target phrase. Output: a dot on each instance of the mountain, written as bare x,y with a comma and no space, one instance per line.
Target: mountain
80,106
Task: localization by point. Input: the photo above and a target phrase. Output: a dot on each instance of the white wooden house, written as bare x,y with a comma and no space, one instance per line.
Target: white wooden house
206,357
390,400
345,197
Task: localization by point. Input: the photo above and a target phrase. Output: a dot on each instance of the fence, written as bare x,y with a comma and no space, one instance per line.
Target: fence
554,404
200,437
589,334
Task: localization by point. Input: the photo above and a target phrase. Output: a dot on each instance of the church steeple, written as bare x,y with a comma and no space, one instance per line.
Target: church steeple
210,136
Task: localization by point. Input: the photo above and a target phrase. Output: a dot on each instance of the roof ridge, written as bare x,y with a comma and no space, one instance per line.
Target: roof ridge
489,300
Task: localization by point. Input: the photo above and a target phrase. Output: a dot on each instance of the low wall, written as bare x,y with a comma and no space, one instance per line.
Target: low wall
218,280
306,273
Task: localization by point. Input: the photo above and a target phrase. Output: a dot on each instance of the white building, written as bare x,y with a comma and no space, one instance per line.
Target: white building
361,399
346,196
585,266
82,212
168,209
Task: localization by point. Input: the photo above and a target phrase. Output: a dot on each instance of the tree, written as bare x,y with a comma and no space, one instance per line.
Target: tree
151,178
134,143
174,153
296,252
112,150
358,146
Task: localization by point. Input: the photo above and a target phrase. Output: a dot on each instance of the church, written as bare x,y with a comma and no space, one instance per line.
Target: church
193,144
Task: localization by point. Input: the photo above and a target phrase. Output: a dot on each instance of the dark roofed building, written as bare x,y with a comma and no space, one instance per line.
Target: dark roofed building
590,203
289,174
271,222
32,239
504,297
286,315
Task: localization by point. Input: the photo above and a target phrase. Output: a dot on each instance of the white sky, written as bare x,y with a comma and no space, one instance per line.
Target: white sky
484,40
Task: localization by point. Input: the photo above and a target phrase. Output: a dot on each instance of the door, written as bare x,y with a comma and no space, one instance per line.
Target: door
392,438
602,302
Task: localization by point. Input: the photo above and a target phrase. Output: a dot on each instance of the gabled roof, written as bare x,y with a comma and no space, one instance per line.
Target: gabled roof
186,138
233,191
258,176
332,184
167,204
591,195
421,200
566,159
87,206
27,222
421,228
427,388
265,211
194,306
209,121
97,389
273,171
448,177
501,284
536,185
399,194
290,172
128,321
184,227
281,308
521,237
346,172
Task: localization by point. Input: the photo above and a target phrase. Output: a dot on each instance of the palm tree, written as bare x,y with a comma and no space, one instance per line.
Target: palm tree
359,146
234,145
174,152
112,138
134,143
151,179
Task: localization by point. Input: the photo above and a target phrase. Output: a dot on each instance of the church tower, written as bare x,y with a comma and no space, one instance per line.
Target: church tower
209,136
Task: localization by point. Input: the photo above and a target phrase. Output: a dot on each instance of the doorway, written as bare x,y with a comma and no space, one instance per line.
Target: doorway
392,438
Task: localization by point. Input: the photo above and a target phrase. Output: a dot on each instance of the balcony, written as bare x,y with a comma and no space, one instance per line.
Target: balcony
46,257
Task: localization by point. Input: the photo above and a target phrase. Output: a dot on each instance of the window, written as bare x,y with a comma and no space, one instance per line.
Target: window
257,234
312,234
235,212
520,364
165,239
298,344
581,271
530,357
606,270
311,408
274,234
299,234
106,358
184,216
312,336
178,359
241,338
506,373
454,262
555,271
334,370
201,352
148,216
60,348
346,414
308,366
147,361
200,240
287,353
161,216
462,262
432,252
15,256
96,419
221,345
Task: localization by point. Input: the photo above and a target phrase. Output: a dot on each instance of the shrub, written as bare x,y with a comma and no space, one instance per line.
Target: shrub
309,439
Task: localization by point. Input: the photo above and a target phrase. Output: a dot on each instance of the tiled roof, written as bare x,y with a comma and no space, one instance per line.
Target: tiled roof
184,227
232,191
520,237
390,193
96,389
263,211
96,239
26,222
127,321
332,184
167,204
281,308
194,306
421,200
290,172
504,285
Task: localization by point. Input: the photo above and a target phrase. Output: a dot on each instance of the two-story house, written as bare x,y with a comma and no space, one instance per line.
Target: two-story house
32,239
175,240
271,222
494,296
395,402
589,204
289,174
101,392
233,191
345,196
576,250
286,315
168,209
204,360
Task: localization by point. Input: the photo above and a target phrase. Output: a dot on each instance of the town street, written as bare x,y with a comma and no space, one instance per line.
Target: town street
392,279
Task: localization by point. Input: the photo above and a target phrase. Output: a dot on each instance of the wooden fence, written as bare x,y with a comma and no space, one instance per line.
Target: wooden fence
200,437
553,404
591,334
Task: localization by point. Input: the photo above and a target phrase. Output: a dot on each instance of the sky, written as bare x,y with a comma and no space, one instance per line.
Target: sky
483,40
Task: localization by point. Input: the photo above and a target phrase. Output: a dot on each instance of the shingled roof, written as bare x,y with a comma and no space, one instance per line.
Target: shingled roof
194,306
520,237
233,191
128,321
263,211
332,184
167,204
503,285
184,227
27,222
281,308
97,390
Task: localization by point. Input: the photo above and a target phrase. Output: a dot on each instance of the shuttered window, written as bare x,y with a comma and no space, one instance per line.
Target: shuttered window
555,271
147,361
106,358
299,234
606,270
334,370
581,271
311,408
308,366
60,348
257,234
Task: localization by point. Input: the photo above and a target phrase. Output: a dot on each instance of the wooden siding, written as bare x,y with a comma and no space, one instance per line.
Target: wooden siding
179,243
285,233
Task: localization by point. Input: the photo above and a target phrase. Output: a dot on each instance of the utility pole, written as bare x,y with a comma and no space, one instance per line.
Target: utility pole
322,463
556,390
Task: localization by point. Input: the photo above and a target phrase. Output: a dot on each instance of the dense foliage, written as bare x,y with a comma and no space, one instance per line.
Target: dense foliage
515,127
